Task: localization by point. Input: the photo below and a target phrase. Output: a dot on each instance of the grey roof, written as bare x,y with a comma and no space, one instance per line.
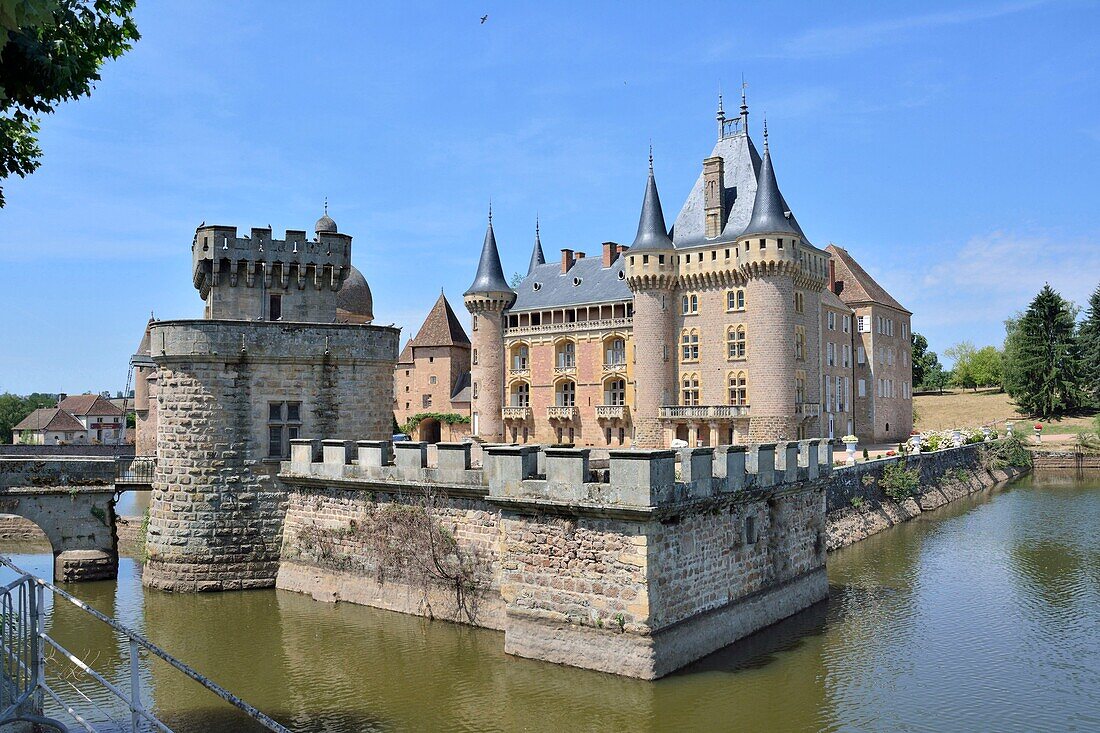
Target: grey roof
490,275
462,391
354,301
741,164
537,257
832,300
325,224
598,284
652,232
769,211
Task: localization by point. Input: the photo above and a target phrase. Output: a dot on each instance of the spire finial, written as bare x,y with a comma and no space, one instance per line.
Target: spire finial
326,205
490,210
765,131
536,225
650,156
744,105
721,112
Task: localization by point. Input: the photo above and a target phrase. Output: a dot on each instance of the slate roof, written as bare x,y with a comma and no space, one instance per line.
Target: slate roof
406,356
88,404
440,328
462,391
537,257
490,275
769,211
859,287
830,299
598,284
52,419
741,166
652,232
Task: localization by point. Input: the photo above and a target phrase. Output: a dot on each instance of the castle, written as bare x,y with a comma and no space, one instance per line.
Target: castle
732,327
285,349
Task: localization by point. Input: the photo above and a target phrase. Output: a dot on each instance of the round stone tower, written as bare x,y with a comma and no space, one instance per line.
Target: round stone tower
770,266
651,275
487,299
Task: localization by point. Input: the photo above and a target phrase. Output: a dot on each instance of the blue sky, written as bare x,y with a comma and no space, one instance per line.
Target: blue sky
954,149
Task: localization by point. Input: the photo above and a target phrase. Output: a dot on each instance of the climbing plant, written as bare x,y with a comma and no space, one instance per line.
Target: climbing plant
446,418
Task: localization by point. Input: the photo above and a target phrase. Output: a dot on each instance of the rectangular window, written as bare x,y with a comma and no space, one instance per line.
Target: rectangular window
426,400
847,324
861,385
283,425
847,355
275,307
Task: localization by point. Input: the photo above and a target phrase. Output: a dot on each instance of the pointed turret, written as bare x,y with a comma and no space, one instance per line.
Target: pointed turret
769,214
537,257
652,232
490,274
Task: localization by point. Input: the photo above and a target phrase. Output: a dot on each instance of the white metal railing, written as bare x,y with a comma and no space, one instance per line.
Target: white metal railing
555,412
23,662
515,413
605,324
703,412
611,412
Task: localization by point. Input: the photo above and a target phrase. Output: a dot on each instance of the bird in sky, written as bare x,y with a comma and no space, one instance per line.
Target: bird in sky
484,18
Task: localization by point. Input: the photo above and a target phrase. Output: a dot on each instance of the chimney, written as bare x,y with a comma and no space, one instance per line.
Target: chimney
620,248
610,252
61,398
566,260
713,200
578,256
832,275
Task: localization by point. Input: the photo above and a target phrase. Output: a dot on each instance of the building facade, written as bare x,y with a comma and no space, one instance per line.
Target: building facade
86,419
726,328
432,379
285,349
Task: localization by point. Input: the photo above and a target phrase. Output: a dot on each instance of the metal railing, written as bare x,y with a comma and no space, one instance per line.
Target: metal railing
23,662
135,469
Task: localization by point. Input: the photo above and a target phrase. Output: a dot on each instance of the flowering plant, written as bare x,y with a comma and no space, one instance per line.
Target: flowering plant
1038,426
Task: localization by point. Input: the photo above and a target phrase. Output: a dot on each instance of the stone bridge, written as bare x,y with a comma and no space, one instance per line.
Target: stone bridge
72,500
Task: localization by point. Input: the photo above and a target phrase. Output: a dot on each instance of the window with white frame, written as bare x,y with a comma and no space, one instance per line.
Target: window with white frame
861,386
735,342
566,394
689,345
738,388
690,389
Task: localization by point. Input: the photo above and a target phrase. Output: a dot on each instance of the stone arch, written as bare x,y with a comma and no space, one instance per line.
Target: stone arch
429,430
79,524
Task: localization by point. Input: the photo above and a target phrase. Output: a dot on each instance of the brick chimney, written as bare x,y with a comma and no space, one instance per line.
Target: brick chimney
832,275
566,260
610,253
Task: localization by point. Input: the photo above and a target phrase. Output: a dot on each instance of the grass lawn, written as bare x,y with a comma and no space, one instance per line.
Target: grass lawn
969,409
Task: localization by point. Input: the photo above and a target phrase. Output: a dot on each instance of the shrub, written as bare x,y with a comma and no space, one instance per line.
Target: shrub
856,501
899,483
1005,453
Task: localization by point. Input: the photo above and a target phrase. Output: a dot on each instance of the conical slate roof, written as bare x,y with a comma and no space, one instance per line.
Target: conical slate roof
537,257
652,232
490,275
769,212
441,327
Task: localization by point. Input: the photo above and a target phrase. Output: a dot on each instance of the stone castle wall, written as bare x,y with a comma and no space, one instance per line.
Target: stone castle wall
216,512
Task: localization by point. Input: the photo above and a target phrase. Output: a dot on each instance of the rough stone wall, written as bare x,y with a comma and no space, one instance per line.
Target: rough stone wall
839,339
873,413
1043,459
145,417
487,375
771,358
216,511
326,554
446,364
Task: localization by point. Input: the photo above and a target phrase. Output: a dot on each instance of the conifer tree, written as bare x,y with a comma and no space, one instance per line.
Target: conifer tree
1088,339
1046,377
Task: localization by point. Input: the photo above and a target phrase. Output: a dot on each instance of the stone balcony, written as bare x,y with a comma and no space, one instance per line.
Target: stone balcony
604,324
515,413
703,412
520,371
807,409
612,412
615,366
556,412
565,369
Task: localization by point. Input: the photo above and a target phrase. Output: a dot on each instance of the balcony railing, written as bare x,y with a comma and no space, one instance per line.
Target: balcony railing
519,371
807,409
515,413
556,412
704,412
606,324
566,368
615,366
611,412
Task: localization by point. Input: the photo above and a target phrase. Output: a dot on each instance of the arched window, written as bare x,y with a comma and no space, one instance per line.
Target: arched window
800,387
690,387
520,357
689,304
799,342
739,388
735,300
566,394
521,395
614,392
565,355
615,352
735,342
689,345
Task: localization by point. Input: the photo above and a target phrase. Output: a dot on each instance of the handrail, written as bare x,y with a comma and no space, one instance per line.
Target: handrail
136,640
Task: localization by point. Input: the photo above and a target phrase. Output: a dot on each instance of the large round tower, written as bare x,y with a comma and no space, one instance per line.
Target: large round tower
777,356
487,299
651,275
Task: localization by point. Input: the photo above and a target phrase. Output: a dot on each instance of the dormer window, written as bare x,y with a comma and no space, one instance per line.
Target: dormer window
576,281
536,286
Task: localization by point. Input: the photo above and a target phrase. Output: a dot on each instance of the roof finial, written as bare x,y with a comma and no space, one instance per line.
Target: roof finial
490,210
720,110
765,131
744,105
326,205
536,225
650,156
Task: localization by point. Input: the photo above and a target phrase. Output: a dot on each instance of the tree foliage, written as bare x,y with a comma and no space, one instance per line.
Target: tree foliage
1088,337
1044,375
962,372
925,363
51,51
13,408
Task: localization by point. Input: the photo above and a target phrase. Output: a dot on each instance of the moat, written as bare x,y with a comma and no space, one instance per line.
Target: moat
978,616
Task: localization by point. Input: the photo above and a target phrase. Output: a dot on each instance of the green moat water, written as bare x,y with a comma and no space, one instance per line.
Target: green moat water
982,616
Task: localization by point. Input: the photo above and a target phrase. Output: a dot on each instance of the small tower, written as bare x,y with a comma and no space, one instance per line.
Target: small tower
537,257
487,299
770,266
651,275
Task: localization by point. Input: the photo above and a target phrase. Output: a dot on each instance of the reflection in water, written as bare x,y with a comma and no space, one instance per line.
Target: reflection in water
980,616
